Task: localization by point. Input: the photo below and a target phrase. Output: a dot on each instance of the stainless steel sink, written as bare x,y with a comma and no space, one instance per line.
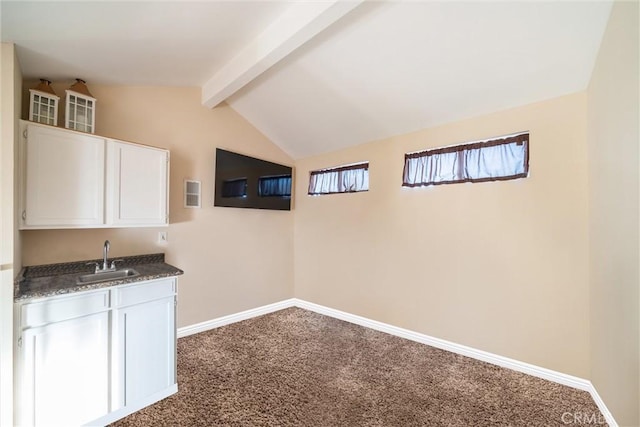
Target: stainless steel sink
107,275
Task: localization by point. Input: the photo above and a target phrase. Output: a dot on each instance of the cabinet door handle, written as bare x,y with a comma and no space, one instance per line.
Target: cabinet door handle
24,215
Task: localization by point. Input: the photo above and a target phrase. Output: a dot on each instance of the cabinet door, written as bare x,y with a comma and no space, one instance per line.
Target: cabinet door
137,184
64,179
65,372
147,349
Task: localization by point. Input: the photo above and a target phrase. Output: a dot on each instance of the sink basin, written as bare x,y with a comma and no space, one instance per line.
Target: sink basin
107,275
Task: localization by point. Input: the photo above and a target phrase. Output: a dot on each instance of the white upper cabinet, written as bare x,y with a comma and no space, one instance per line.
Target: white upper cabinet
75,180
64,179
136,184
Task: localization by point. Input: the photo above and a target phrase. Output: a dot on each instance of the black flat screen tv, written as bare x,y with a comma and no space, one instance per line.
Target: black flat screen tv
246,182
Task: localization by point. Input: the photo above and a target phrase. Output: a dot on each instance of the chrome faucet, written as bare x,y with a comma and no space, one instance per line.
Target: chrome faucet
105,254
105,260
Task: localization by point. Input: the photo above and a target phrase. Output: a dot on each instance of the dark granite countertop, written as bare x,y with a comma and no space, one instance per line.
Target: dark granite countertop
39,281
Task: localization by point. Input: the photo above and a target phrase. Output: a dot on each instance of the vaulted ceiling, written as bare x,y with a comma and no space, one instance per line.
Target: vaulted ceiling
324,75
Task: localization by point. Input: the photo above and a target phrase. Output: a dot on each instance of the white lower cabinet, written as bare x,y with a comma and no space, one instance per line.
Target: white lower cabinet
146,347
147,334
66,372
94,357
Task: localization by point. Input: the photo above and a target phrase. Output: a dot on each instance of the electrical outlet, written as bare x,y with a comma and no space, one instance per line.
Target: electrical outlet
163,237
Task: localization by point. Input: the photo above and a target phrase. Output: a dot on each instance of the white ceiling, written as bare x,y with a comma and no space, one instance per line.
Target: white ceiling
132,43
382,69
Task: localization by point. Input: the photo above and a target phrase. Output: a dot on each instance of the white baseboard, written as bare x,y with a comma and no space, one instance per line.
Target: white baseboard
505,362
114,416
233,318
484,356
608,416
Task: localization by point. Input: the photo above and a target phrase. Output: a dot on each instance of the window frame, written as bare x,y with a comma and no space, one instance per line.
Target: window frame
339,169
520,139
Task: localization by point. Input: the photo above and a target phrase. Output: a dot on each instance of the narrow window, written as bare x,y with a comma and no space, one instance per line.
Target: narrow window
274,186
494,160
343,179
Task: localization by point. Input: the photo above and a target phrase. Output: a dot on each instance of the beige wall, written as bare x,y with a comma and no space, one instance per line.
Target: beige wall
613,205
543,270
10,260
234,259
497,266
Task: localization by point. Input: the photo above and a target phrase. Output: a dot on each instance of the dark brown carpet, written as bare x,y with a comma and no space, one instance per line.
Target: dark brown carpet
298,368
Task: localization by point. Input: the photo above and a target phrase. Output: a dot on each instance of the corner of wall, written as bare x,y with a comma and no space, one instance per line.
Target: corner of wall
614,209
17,109
10,86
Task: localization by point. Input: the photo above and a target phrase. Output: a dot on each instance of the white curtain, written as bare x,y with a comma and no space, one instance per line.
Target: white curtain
442,167
500,159
346,179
